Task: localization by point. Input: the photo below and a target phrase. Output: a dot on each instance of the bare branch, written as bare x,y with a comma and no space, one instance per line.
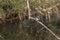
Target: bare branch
46,28
28,6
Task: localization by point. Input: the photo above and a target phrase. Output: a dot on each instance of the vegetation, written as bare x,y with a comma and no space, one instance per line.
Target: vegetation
15,25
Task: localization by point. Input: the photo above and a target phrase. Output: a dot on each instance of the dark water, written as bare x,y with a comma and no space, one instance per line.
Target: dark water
25,30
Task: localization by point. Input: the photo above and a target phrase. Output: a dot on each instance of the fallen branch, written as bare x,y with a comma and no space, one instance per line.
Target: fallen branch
46,28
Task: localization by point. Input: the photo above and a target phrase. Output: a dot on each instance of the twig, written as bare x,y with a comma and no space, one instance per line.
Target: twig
40,29
46,28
